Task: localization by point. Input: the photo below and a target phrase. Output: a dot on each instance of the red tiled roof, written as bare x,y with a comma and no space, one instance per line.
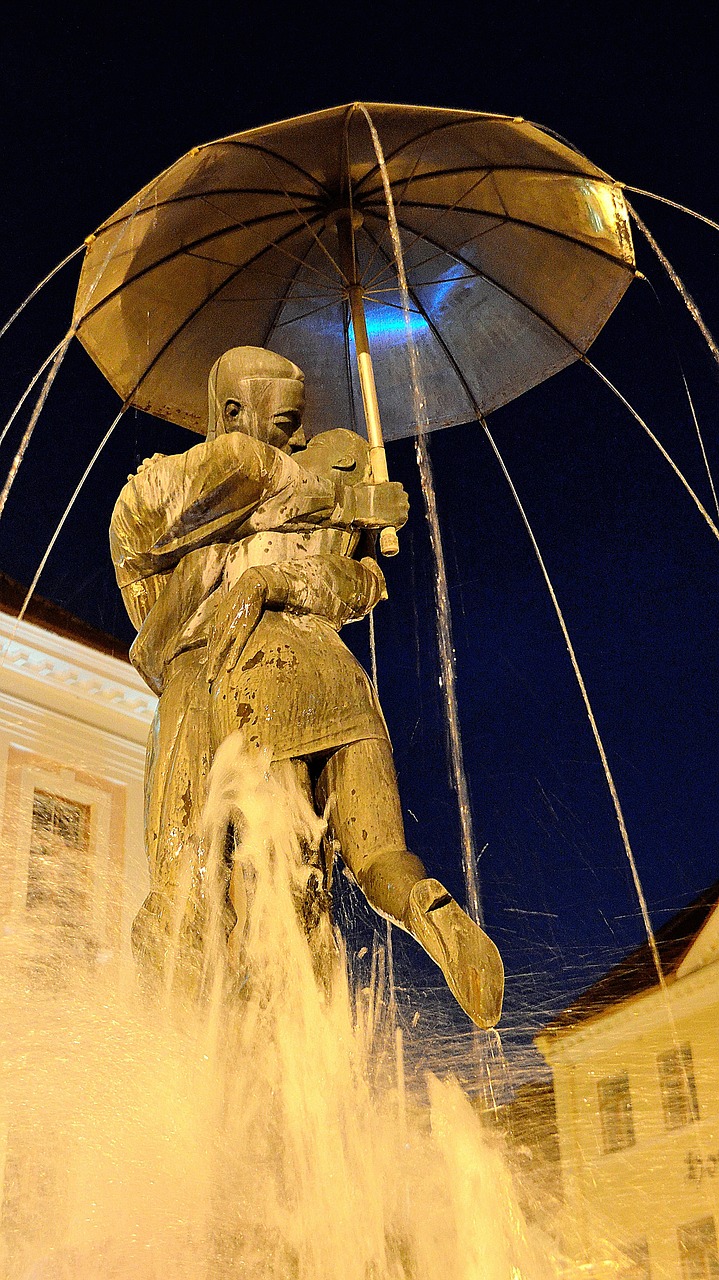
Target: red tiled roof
636,972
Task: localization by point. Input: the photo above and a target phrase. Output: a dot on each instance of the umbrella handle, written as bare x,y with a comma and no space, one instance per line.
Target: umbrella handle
389,542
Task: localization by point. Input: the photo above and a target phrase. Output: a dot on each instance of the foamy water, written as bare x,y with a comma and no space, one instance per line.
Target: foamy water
263,1135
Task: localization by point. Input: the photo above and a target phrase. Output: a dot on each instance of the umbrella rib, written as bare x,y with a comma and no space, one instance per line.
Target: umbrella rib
453,124
272,299
379,282
292,164
462,379
326,279
388,271
580,355
457,171
479,275
395,306
187,249
425,134
195,195
268,273
397,204
299,213
522,222
188,319
283,301
483,275
304,315
348,362
506,217
276,275
446,210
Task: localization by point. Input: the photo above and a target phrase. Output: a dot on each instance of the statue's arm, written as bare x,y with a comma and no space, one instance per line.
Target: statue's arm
329,586
184,501
332,586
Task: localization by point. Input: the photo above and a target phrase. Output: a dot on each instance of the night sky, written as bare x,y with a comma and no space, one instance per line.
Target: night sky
96,102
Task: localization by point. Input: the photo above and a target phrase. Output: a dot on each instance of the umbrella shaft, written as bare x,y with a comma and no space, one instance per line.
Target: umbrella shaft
378,459
367,383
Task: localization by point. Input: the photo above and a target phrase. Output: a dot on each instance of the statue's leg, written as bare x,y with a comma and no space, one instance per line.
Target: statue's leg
359,786
365,818
175,785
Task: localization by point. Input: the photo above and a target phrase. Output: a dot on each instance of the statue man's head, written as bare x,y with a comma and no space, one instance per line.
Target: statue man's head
259,393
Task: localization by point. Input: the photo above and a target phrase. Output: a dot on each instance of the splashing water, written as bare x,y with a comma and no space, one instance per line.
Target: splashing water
266,1135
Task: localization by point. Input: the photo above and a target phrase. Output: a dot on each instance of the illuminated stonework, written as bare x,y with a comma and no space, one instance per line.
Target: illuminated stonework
636,1085
73,679
73,725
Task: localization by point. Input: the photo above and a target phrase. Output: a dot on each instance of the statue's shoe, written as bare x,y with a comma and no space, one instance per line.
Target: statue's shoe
469,960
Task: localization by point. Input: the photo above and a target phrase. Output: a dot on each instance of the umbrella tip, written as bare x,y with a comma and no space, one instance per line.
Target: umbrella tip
353,217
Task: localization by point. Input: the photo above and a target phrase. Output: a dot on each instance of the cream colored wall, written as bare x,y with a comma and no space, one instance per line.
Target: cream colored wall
75,722
645,1190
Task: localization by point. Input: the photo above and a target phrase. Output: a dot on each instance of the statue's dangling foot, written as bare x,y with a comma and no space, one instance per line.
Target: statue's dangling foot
469,960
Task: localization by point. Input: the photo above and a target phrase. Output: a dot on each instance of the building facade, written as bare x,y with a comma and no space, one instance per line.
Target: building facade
74,721
636,1082
73,727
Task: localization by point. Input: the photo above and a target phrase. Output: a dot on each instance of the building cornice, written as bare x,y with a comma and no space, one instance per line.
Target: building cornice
63,674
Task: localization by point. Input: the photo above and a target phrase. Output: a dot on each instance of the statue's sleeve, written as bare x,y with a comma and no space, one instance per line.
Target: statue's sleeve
182,502
334,587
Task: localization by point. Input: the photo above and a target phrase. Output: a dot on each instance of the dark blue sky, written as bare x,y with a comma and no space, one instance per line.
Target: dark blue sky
94,104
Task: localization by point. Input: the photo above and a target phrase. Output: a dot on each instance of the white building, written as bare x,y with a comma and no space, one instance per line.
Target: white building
74,719
73,726
636,1084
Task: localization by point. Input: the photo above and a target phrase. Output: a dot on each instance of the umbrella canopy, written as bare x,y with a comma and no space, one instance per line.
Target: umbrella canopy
516,249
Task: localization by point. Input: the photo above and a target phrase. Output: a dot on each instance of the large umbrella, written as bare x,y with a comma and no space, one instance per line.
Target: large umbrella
516,248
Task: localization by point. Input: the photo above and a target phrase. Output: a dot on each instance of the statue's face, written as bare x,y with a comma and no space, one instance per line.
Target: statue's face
268,409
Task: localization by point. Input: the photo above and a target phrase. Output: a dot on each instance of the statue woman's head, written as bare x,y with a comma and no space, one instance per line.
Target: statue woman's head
259,393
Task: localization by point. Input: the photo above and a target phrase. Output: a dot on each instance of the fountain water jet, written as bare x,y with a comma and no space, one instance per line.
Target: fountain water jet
287,1247
266,1138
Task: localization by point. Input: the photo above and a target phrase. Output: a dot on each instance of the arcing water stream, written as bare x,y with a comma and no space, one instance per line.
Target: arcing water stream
448,678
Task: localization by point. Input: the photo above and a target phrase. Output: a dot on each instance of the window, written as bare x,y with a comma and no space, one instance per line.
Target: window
615,1113
637,1265
698,1250
57,874
678,1087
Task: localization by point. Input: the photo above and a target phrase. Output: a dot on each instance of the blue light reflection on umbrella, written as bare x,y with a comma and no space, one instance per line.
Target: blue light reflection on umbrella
388,321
